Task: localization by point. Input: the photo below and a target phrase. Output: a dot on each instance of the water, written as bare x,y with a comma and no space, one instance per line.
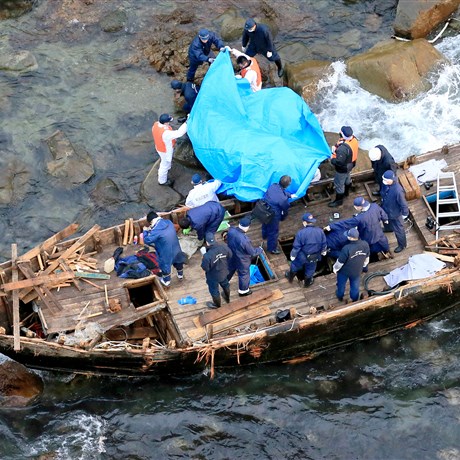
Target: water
393,398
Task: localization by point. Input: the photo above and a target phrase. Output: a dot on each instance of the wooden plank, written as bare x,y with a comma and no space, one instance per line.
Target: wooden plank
49,243
16,319
126,233
441,257
131,333
131,231
38,280
67,269
98,276
372,198
414,184
409,192
215,315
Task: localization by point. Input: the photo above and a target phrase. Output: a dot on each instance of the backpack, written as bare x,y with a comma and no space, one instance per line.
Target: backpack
263,212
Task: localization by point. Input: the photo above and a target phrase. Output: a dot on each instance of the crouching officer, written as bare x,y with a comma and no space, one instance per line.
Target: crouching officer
215,264
352,261
204,219
309,245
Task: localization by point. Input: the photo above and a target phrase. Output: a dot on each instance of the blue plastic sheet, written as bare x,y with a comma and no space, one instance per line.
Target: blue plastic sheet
249,140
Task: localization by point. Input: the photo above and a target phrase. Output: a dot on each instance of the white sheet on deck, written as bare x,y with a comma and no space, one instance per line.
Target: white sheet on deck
419,266
431,169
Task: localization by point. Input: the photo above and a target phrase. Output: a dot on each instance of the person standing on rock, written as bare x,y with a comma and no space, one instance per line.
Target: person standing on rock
381,161
200,52
257,39
189,91
165,140
215,264
202,192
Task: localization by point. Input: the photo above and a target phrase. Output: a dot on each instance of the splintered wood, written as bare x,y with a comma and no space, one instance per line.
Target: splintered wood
446,248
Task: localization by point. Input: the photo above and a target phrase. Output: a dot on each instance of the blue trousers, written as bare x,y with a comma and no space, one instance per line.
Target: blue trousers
397,226
193,66
213,286
244,277
308,268
270,232
380,245
354,286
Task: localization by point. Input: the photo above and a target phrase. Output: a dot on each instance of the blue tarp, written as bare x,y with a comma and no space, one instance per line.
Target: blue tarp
249,140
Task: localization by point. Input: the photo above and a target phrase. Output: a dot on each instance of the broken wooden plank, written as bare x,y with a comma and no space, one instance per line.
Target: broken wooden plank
16,319
67,269
37,281
131,231
126,233
98,276
441,256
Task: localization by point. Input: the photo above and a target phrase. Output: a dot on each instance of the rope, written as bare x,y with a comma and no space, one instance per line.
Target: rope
374,275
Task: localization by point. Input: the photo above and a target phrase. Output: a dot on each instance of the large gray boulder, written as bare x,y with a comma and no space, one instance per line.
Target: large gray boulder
417,18
114,21
14,179
14,8
396,70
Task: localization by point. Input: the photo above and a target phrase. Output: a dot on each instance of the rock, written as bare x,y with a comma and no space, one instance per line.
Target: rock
70,165
114,21
232,25
20,61
416,19
184,154
396,70
15,8
294,52
18,385
14,179
303,77
107,193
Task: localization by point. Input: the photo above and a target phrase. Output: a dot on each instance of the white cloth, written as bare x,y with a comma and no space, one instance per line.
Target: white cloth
166,157
419,266
202,193
317,176
431,168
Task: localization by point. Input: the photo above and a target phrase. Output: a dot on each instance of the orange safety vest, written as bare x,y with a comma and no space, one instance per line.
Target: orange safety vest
353,143
253,66
157,133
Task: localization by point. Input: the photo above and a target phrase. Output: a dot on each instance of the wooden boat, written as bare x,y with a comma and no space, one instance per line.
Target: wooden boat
59,309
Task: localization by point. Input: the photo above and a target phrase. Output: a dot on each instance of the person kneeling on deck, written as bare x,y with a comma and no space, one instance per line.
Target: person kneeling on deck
309,245
202,192
162,234
215,264
204,219
395,205
243,251
342,160
352,261
278,199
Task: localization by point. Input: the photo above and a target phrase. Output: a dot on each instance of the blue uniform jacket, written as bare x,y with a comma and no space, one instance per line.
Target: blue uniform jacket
198,51
368,223
206,218
353,256
216,260
394,201
385,163
190,92
308,241
260,41
164,237
278,199
242,248
336,238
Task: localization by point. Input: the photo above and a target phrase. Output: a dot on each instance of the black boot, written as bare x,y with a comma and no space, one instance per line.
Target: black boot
347,189
338,200
308,282
226,294
289,275
215,302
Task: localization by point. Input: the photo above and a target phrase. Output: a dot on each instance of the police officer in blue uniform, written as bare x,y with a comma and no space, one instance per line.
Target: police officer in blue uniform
342,160
278,198
395,205
353,259
200,52
336,239
381,161
162,235
260,41
243,251
204,219
189,91
215,264
309,245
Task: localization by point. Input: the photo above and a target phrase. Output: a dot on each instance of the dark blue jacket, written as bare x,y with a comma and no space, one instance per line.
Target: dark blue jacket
198,51
242,248
385,163
278,199
190,92
260,41
216,260
343,160
206,218
368,223
336,238
394,200
164,237
309,240
353,256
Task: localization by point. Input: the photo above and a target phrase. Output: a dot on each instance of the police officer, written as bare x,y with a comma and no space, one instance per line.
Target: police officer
243,251
205,218
278,198
189,91
342,160
200,52
257,38
395,205
347,136
381,161
162,234
353,259
215,264
336,239
202,192
368,221
309,245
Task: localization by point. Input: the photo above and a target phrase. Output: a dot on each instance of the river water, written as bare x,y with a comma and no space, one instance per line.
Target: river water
393,398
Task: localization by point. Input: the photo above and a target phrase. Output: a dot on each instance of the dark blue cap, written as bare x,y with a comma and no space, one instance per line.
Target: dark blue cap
165,118
245,221
250,23
203,34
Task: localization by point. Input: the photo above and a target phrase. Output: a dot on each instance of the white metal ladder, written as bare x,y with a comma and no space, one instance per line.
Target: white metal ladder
446,183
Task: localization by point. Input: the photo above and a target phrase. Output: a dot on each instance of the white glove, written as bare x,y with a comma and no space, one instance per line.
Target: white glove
227,48
292,258
324,253
294,196
243,48
203,250
327,228
386,222
211,60
404,217
269,54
